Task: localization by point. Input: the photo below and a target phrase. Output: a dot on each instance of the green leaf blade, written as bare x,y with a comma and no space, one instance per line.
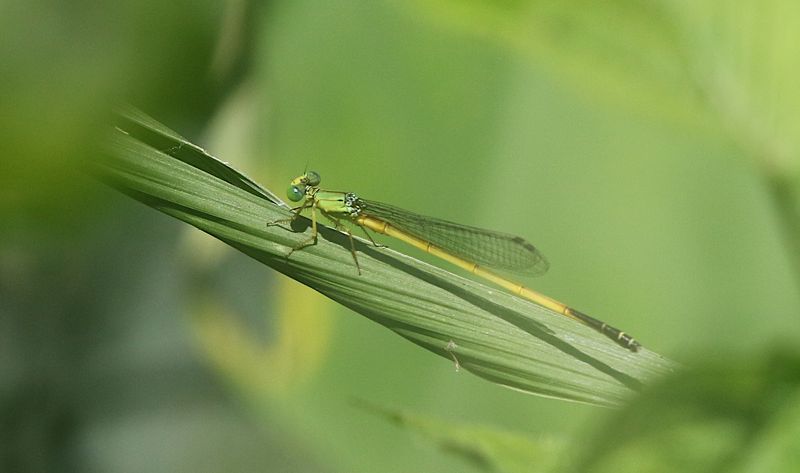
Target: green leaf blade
481,329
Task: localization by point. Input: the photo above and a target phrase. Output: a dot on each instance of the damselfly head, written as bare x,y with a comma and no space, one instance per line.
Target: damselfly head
297,188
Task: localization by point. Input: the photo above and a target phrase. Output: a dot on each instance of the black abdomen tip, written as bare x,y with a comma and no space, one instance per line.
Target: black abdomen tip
628,342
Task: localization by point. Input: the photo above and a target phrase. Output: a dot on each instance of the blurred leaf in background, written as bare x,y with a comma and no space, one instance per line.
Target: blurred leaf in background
740,416
648,148
486,448
97,369
728,414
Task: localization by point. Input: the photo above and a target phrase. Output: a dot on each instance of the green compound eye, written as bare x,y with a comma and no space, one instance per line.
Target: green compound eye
295,193
313,178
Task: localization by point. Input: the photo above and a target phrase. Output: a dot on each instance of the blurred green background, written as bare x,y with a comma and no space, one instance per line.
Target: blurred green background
649,149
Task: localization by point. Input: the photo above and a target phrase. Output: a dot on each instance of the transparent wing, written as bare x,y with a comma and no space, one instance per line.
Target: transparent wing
484,247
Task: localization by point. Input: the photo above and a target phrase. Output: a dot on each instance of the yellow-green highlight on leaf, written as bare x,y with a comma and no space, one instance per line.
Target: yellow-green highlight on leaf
302,331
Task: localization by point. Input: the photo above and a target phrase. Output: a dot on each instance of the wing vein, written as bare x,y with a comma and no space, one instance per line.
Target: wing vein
485,247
